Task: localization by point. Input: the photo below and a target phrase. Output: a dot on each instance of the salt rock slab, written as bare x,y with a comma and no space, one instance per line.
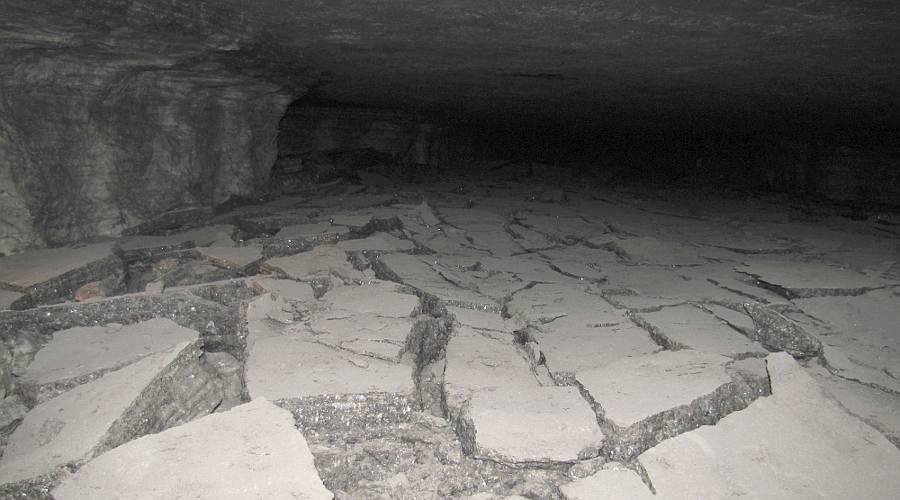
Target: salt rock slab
80,351
94,417
613,482
323,260
381,298
687,326
818,450
633,389
530,425
475,362
251,451
294,365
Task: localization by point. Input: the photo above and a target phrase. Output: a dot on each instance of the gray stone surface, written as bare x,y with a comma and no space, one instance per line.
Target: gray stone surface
323,261
613,482
802,279
687,326
863,343
536,425
819,450
477,362
83,351
291,364
379,242
633,389
252,451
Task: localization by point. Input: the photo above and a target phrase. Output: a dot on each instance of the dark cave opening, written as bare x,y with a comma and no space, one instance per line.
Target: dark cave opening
792,154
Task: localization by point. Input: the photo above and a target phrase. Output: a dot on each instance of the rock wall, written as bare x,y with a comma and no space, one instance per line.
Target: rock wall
96,137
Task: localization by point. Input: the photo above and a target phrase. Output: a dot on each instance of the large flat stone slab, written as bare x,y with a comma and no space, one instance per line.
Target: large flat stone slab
147,396
613,482
252,451
864,343
634,389
147,245
806,279
687,326
533,425
367,334
27,269
54,274
419,274
649,250
380,298
876,407
321,262
818,451
292,365
577,330
378,242
477,362
84,351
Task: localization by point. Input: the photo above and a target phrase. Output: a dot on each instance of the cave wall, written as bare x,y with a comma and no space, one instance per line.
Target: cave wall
97,138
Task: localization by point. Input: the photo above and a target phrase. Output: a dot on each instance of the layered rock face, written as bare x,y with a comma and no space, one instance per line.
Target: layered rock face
99,133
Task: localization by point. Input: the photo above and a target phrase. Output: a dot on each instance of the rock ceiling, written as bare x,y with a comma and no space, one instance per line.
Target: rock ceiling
656,62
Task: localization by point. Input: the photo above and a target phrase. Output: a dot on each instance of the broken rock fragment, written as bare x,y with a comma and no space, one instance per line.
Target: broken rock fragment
150,395
778,333
649,398
81,354
686,326
252,451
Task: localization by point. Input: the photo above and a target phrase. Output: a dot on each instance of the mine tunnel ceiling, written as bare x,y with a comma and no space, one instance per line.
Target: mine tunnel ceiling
653,63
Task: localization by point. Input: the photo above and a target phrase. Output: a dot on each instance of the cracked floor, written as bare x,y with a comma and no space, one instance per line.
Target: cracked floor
460,340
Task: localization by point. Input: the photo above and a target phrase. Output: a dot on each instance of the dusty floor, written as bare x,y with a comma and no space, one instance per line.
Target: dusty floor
461,339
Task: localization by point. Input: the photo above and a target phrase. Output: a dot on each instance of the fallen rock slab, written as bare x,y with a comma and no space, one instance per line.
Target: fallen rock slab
77,355
646,399
863,343
613,482
530,426
686,326
476,362
805,279
293,365
150,395
236,258
378,242
55,274
818,451
381,298
252,451
322,261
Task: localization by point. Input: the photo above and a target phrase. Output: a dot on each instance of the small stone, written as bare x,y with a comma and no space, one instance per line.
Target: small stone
778,333
89,291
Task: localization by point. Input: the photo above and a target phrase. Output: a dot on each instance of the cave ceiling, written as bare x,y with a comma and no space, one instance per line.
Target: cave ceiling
639,63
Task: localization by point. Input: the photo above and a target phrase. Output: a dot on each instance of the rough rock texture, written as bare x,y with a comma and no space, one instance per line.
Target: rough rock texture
134,131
